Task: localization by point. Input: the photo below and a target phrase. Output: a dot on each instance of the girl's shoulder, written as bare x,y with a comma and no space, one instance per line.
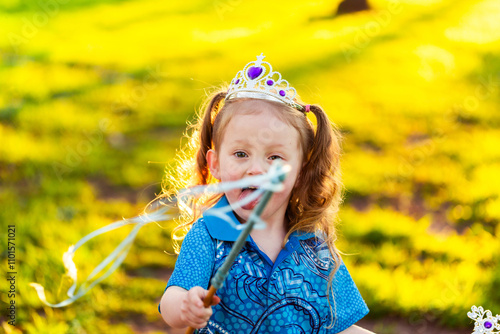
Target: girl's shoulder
200,224
198,227
198,233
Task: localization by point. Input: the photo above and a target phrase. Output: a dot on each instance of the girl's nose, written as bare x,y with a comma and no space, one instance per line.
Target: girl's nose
256,167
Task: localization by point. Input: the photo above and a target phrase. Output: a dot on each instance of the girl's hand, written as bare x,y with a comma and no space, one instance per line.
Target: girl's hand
193,312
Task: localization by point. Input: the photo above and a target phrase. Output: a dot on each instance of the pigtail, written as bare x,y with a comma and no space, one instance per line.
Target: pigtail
324,162
317,195
315,201
206,137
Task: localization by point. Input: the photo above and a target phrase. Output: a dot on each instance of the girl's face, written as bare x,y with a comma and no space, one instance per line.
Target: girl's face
250,144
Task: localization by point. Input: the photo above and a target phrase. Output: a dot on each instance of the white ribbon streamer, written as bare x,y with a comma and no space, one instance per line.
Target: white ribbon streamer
166,212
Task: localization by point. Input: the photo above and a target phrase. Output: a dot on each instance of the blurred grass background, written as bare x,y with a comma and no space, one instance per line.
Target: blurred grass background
90,91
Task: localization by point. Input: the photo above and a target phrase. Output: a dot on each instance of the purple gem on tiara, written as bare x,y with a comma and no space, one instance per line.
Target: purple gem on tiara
488,324
282,93
269,82
237,82
254,72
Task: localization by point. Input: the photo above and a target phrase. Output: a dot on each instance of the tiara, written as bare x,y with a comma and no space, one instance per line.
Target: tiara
485,323
257,80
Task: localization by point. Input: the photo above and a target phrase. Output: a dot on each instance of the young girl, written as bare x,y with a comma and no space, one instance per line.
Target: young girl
289,277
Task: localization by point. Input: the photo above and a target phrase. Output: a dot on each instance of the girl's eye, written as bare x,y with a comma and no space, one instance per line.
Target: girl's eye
240,154
275,157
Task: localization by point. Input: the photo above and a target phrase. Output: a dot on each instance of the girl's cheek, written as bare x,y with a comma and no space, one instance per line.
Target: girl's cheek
231,173
235,168
236,173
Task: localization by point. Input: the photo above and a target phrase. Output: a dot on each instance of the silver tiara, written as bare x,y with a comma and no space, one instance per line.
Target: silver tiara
485,323
257,80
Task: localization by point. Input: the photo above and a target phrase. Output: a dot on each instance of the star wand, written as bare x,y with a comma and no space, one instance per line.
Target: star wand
280,171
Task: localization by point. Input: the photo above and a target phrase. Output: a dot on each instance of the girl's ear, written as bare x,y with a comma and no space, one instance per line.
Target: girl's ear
213,163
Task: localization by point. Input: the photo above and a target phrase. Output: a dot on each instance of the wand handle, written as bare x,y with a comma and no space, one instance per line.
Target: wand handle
210,295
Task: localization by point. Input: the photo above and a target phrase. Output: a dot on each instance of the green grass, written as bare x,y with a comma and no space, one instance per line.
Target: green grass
92,93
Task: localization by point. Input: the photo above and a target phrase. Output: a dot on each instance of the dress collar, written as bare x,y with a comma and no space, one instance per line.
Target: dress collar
220,229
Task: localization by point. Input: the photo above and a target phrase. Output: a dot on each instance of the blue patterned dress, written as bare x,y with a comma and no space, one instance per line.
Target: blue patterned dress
259,296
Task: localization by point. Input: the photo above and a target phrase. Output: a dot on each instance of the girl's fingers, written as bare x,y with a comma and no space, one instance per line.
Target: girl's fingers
201,312
193,310
198,322
196,295
195,321
215,300
200,325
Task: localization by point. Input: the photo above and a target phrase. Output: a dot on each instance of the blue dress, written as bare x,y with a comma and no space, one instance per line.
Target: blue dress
259,296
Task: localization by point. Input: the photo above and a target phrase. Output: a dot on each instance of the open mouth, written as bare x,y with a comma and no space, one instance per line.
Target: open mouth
246,192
